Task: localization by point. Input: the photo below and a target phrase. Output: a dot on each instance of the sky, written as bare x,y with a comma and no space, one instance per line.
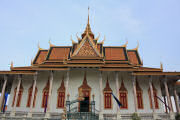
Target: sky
155,24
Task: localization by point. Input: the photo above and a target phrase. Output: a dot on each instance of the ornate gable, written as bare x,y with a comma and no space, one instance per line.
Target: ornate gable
122,88
137,86
62,87
107,88
85,85
86,48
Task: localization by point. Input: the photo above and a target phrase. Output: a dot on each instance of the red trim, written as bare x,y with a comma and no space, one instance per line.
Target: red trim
140,100
61,99
30,97
19,96
123,99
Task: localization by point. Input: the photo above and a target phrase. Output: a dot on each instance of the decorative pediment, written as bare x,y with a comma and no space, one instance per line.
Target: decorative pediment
47,86
85,85
137,86
122,88
62,87
107,88
86,48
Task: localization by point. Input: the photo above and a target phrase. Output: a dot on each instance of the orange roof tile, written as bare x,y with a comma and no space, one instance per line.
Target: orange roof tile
58,53
133,57
115,53
40,57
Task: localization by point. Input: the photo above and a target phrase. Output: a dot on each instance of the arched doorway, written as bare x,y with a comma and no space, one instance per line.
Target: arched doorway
85,92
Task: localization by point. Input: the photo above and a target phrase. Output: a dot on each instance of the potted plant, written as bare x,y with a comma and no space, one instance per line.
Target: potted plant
135,116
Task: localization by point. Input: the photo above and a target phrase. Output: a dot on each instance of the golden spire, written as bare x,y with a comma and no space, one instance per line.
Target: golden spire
39,46
88,28
11,64
72,40
78,37
31,61
125,45
137,47
161,65
50,44
97,38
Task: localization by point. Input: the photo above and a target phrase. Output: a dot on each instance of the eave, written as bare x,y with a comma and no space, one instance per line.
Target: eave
153,73
18,72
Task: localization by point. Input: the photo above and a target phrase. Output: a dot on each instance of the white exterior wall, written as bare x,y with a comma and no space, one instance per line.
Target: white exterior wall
76,78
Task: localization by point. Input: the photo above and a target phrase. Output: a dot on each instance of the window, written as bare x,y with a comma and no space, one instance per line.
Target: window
61,95
45,95
139,96
107,96
155,98
30,96
61,99
139,99
19,96
108,102
123,96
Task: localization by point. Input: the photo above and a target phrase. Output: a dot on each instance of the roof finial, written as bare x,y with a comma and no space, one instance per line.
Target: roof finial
72,40
88,15
125,45
50,44
97,38
78,37
31,61
137,45
11,64
88,29
161,65
39,46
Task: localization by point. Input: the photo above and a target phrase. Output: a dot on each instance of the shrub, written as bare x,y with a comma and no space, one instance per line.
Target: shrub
177,116
135,116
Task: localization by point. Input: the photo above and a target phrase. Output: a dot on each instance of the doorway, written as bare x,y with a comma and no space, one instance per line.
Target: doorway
84,105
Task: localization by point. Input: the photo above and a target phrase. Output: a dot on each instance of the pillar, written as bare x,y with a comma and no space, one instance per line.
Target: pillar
117,94
49,96
33,93
176,99
168,99
100,97
17,93
3,91
152,97
67,85
134,93
166,110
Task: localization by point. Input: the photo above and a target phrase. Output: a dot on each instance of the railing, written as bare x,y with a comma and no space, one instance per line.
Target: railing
79,116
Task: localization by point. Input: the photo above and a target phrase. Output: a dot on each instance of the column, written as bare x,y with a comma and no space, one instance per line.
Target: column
152,93
167,94
165,104
117,94
168,100
100,97
49,96
176,101
134,93
33,93
152,97
3,91
17,93
67,85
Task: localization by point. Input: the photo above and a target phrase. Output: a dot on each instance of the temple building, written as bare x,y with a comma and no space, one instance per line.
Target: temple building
77,82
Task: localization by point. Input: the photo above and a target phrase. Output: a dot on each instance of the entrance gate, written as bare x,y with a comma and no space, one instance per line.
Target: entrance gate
87,110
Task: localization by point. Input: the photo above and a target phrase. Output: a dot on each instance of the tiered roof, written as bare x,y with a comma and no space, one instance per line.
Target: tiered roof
87,52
